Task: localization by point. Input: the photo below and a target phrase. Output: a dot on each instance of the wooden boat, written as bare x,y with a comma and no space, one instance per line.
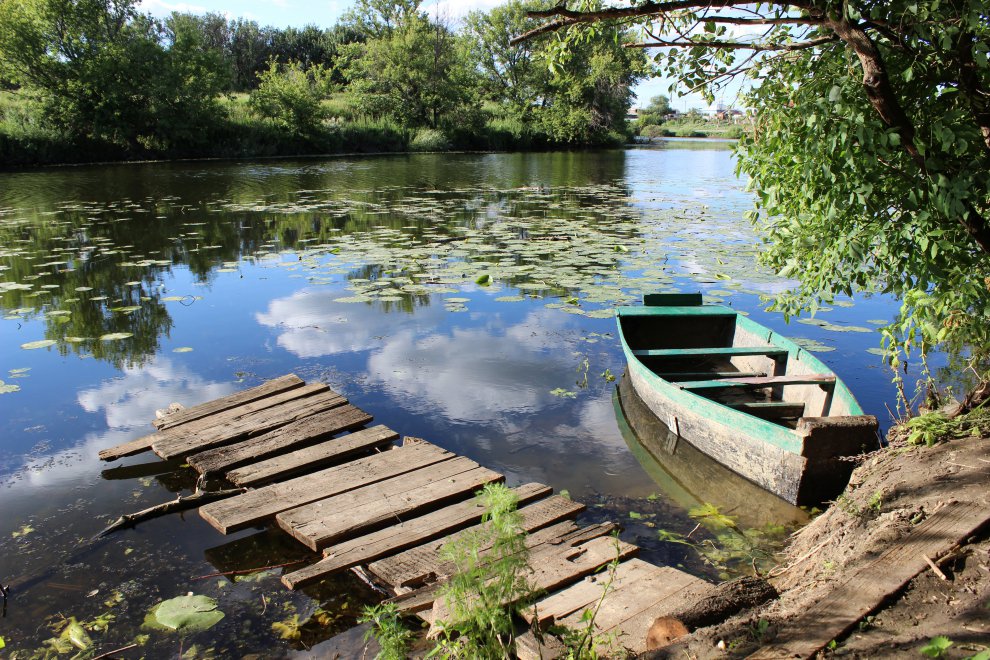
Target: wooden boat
690,479
749,398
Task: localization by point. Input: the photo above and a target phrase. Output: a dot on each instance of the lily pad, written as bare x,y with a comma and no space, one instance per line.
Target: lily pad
189,613
182,349
43,343
7,389
114,336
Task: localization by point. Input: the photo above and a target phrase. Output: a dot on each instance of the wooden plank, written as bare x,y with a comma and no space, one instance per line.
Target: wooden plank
586,593
701,375
128,448
310,458
866,589
715,351
328,520
259,505
416,565
395,538
236,413
768,381
138,445
664,587
292,435
177,443
186,415
562,565
769,409
543,545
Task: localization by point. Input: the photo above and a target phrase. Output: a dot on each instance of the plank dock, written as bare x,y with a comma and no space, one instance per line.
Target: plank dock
359,498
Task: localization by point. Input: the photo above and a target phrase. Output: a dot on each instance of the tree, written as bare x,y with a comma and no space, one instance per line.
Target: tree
655,113
871,157
291,95
515,75
378,18
104,72
416,73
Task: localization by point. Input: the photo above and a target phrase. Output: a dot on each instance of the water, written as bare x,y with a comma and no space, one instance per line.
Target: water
465,299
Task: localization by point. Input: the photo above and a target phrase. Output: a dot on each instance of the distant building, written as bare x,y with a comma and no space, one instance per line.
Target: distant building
632,114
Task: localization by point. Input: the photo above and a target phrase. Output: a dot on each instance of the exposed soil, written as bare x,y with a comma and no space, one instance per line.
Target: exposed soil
890,492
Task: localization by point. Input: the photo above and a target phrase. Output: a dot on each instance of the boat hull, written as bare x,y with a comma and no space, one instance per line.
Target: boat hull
807,464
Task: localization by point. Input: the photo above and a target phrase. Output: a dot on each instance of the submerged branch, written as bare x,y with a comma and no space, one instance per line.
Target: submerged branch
180,503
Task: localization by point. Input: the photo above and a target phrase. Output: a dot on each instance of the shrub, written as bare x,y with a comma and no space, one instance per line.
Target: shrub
429,139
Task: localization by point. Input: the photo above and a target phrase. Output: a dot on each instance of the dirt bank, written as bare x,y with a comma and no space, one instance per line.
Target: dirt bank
890,493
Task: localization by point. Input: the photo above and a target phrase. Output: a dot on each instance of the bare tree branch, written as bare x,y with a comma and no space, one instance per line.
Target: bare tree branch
736,45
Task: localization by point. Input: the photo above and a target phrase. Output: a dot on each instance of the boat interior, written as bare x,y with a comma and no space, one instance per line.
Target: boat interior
704,350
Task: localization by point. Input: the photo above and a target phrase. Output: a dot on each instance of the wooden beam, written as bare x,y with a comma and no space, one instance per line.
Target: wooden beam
719,351
338,517
186,415
396,538
285,438
321,455
418,564
178,442
826,382
869,586
258,506
556,556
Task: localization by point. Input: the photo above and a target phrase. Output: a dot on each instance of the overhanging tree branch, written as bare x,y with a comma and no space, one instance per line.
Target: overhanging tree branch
736,45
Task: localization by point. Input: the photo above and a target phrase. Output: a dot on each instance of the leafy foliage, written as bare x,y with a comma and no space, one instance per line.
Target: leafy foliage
491,568
388,630
871,159
291,96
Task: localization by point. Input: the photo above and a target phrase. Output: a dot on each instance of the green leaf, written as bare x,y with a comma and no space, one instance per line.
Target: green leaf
43,343
936,646
114,336
484,279
187,613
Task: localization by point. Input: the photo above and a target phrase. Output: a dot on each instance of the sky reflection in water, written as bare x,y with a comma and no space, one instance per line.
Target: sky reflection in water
362,273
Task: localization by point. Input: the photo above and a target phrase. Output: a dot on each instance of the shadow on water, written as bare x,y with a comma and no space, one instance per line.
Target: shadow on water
688,477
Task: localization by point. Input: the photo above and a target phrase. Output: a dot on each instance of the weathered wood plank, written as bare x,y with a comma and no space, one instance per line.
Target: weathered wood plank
310,458
618,615
303,431
865,589
562,565
327,520
665,588
415,565
586,593
176,442
755,382
241,411
128,448
186,415
396,538
259,505
544,545
719,351
138,445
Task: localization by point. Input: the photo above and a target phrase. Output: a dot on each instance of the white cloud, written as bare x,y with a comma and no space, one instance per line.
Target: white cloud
162,8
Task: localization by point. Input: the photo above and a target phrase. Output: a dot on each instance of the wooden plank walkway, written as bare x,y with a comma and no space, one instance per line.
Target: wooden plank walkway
310,465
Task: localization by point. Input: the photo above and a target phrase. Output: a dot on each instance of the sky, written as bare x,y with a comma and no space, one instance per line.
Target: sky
324,13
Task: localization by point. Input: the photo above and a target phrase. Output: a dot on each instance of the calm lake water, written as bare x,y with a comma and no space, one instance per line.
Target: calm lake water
465,299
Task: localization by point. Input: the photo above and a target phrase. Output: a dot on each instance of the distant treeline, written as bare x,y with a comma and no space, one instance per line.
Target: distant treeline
88,80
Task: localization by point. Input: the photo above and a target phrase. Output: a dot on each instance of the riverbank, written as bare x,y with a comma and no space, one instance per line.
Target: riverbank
892,492
235,133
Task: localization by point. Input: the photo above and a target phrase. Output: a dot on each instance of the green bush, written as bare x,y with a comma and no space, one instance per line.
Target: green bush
429,139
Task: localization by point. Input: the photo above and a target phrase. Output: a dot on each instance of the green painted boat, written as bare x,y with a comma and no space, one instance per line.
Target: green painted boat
745,396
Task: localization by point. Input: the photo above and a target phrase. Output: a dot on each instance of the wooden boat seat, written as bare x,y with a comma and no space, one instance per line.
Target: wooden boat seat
715,351
770,409
707,375
825,382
